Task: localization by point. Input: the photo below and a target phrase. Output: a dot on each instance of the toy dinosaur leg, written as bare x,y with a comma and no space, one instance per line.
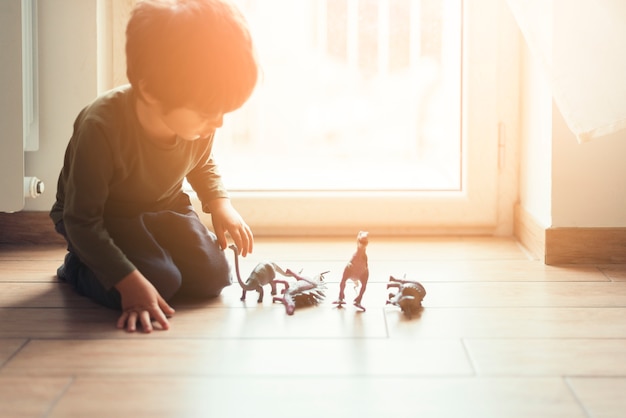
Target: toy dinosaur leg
243,295
357,301
342,289
286,284
412,309
408,312
290,306
260,290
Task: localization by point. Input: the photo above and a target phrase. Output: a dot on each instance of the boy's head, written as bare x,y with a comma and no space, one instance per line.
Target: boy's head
194,53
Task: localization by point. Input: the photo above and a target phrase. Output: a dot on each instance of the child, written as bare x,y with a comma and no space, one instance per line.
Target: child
134,240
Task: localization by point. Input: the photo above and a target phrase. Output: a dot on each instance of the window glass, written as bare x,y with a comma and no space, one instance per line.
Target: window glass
361,95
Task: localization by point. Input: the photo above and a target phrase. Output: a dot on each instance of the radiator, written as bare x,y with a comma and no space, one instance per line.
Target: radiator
19,102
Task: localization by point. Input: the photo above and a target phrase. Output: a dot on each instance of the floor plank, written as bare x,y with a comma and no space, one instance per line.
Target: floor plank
28,397
320,397
616,272
245,323
40,295
238,357
602,396
548,357
8,348
509,323
31,271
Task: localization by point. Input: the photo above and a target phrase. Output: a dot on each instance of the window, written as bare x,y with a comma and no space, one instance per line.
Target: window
382,115
373,114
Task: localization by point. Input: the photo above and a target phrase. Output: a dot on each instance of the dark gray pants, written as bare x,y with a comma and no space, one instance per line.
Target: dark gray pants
173,250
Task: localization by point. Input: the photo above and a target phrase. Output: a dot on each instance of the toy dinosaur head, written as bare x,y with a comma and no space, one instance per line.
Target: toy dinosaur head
361,239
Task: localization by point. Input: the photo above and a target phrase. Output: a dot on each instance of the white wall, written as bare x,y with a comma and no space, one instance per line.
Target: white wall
589,179
536,149
11,154
68,81
564,183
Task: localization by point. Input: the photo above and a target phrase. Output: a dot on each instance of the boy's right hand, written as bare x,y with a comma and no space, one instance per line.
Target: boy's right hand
141,303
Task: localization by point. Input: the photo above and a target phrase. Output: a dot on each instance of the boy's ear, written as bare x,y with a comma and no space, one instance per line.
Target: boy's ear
145,95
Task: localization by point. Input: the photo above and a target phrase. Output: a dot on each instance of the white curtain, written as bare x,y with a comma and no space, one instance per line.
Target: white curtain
582,47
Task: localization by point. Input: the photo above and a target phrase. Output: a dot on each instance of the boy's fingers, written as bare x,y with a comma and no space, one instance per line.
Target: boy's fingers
166,308
242,236
131,322
250,240
239,242
121,322
244,240
146,324
159,316
221,236
129,319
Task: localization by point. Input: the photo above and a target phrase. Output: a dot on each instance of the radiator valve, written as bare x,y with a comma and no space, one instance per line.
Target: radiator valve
33,187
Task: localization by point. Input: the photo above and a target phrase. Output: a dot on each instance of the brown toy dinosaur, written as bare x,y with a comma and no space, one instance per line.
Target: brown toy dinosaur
356,270
408,297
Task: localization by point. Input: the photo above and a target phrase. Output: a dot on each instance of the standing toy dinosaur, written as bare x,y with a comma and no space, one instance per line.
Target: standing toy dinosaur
262,274
356,270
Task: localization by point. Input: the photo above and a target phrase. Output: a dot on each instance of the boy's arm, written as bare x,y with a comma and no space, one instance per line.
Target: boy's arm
206,180
89,168
207,183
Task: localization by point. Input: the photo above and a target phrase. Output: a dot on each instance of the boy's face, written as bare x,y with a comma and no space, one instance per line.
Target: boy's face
190,124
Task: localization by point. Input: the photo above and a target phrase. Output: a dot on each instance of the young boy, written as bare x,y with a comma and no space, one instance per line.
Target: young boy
134,240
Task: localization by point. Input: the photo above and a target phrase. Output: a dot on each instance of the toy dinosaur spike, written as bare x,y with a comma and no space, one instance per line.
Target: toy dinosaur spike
304,292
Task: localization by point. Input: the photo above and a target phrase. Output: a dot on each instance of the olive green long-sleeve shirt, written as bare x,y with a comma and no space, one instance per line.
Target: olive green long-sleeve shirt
112,168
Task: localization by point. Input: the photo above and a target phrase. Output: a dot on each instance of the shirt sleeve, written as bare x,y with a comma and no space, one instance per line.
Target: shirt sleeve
205,179
91,168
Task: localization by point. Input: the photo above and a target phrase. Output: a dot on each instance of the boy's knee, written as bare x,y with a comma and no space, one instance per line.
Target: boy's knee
218,283
217,277
208,280
166,278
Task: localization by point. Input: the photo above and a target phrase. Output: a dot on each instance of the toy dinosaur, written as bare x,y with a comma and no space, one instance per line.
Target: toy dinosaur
408,297
263,274
303,292
356,270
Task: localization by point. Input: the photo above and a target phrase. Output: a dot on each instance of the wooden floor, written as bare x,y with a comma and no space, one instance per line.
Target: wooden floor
501,335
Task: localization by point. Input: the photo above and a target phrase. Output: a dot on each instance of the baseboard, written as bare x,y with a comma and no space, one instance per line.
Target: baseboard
586,246
529,233
568,245
28,228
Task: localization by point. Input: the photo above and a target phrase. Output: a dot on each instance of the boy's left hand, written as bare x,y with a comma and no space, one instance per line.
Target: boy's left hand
226,219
